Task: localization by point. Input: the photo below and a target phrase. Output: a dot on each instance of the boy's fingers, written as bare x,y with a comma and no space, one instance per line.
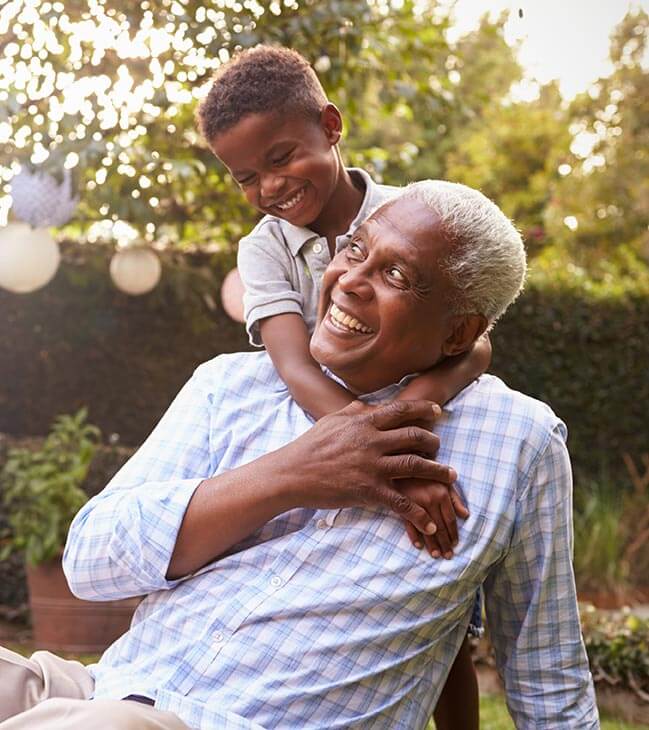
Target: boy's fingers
450,522
458,505
408,510
416,538
441,534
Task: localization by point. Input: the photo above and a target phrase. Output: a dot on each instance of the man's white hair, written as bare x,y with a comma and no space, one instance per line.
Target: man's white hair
486,263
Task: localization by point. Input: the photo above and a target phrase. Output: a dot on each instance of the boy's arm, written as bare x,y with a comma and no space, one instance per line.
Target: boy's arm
446,380
440,384
286,339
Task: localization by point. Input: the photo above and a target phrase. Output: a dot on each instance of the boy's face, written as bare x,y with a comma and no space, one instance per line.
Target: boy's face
286,166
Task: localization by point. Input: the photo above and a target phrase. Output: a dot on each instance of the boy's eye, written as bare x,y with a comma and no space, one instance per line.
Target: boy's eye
282,159
246,181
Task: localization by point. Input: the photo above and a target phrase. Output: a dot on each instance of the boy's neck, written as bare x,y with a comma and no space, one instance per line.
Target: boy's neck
340,210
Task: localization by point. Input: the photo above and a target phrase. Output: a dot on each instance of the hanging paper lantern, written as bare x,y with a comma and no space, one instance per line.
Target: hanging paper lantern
29,258
135,270
40,200
232,296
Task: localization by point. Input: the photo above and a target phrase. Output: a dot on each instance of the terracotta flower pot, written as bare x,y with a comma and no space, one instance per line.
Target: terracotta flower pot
62,622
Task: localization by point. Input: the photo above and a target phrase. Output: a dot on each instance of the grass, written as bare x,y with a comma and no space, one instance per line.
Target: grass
494,716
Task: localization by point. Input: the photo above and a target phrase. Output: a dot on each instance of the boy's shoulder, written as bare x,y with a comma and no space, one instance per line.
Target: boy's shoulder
272,234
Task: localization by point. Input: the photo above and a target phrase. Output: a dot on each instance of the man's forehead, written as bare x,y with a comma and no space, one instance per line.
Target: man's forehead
406,225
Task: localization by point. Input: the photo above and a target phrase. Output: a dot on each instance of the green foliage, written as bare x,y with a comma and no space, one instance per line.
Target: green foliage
602,532
608,187
618,650
512,154
580,345
41,489
405,93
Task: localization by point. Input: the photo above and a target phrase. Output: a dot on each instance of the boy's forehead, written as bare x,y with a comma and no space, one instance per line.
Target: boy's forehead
258,132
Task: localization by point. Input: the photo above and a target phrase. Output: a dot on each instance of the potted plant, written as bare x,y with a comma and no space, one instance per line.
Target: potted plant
42,492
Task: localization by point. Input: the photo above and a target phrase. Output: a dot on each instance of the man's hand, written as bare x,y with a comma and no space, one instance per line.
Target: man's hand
352,458
443,505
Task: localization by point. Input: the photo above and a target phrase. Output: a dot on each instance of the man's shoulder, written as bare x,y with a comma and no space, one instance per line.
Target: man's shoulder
506,412
239,374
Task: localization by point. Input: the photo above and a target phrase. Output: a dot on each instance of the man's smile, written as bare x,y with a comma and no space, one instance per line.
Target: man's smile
346,322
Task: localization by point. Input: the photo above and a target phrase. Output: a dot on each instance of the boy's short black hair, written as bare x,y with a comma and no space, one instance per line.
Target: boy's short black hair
256,81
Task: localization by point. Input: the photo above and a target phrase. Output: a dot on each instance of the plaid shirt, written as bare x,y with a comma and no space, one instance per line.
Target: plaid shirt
330,618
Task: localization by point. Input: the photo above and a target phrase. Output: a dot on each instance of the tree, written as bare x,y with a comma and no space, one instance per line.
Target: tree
512,153
110,88
599,213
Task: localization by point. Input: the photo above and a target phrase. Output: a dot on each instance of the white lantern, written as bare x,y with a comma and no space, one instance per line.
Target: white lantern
29,258
135,270
232,296
41,201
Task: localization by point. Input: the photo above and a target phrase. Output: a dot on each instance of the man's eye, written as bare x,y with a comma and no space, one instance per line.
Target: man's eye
354,250
397,274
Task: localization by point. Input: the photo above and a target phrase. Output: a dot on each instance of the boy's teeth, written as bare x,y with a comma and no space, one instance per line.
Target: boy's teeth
347,321
293,201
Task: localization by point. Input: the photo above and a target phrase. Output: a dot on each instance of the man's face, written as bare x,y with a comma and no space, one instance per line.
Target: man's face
383,311
286,166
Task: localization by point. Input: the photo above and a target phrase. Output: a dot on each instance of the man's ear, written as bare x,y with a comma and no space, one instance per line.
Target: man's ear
465,331
331,122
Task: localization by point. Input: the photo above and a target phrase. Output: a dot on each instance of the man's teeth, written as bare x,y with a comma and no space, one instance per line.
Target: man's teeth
347,321
288,204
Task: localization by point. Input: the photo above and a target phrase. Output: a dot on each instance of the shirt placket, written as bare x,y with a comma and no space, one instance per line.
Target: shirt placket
276,578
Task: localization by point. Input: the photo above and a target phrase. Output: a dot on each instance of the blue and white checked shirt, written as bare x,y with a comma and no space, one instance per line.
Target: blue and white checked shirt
330,618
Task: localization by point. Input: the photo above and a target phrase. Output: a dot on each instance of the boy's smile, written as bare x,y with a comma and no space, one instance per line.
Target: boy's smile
286,166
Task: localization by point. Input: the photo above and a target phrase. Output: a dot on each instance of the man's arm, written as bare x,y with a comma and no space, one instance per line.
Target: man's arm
164,516
532,605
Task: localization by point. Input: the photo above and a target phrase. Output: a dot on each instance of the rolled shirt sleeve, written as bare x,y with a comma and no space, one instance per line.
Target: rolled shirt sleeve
532,609
266,267
121,542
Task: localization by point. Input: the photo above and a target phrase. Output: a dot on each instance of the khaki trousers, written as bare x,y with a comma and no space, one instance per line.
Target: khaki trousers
46,692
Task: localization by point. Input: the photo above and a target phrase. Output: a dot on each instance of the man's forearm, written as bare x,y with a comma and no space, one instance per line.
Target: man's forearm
229,507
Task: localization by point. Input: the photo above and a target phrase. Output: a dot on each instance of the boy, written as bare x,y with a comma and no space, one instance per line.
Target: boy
268,120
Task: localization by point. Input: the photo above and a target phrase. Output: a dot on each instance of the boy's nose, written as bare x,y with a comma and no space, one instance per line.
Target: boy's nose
271,186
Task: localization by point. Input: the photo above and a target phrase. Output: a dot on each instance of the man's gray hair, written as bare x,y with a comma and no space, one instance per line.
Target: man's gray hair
486,264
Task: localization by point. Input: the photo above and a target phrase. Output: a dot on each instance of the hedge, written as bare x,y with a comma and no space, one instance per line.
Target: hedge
79,341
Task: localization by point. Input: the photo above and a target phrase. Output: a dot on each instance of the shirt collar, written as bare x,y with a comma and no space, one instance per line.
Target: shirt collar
297,236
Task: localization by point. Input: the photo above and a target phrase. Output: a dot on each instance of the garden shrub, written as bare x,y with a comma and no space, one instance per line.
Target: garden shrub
580,345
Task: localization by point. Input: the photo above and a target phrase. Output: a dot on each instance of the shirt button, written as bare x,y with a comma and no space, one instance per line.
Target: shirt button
218,637
276,581
317,247
321,524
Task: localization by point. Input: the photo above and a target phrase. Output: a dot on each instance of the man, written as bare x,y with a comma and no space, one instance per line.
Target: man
271,606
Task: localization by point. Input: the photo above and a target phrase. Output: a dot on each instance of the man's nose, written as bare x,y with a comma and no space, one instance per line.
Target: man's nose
270,186
355,281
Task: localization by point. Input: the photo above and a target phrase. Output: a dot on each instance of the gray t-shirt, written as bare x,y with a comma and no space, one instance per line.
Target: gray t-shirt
281,265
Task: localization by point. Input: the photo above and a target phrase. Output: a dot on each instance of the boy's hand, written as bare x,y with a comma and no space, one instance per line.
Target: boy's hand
443,504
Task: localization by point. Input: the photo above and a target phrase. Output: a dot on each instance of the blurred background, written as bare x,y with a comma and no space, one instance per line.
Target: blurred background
118,226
